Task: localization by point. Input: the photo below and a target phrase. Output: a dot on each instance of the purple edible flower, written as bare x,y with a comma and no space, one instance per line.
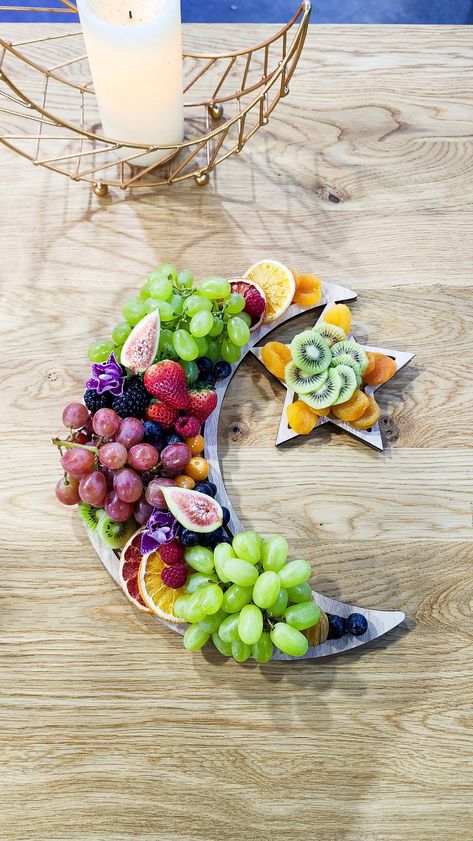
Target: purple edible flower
160,528
107,376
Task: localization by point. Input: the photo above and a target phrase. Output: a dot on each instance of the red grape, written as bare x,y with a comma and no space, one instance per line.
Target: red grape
75,415
131,432
143,456
127,485
143,511
109,474
154,494
106,422
92,488
117,509
77,462
175,457
113,455
67,491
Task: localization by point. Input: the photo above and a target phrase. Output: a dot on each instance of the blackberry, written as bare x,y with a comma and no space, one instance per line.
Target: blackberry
95,401
134,400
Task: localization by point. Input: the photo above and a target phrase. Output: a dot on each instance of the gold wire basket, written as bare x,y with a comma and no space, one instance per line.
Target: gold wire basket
50,115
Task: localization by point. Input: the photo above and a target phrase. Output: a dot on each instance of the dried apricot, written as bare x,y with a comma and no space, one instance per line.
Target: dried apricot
301,417
353,408
371,363
340,316
384,369
369,417
308,289
275,357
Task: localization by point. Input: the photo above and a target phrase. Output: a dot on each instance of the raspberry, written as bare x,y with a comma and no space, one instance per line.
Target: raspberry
254,303
175,576
171,553
188,426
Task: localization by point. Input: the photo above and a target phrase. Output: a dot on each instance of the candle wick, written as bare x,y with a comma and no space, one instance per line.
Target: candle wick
130,14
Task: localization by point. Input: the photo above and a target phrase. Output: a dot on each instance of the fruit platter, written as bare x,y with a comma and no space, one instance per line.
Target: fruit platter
140,458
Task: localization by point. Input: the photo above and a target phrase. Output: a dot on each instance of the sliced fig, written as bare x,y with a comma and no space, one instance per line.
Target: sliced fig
255,299
193,510
140,348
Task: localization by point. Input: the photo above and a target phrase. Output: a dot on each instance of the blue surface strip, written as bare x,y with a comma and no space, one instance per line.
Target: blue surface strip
279,11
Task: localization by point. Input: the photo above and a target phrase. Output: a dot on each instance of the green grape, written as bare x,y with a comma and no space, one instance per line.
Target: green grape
250,624
160,287
177,303
229,351
234,303
213,350
224,648
185,279
196,303
211,598
212,623
266,589
181,606
192,371
201,323
184,345
240,651
121,332
246,317
279,606
294,573
166,347
202,345
228,630
134,310
168,271
275,549
144,291
195,611
236,597
101,351
166,311
118,353
195,638
302,616
214,288
246,546
299,594
240,572
222,552
196,580
217,327
200,558
151,304
238,331
262,650
289,640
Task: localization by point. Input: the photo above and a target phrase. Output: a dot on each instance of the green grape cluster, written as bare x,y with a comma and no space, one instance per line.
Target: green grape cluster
247,598
197,319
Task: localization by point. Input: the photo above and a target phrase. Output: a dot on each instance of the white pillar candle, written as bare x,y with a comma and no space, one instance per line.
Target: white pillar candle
135,55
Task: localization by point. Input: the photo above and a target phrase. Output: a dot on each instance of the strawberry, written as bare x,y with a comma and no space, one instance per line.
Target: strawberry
163,413
167,381
202,402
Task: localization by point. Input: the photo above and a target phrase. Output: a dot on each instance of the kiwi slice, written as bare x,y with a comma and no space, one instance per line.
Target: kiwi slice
349,383
354,350
301,382
90,516
330,332
346,359
327,394
310,352
116,534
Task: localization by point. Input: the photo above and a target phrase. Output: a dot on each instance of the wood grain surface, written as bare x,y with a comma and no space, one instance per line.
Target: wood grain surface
109,730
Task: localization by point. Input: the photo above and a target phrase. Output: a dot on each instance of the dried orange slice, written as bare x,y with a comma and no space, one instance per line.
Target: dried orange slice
339,316
308,289
156,595
371,363
301,417
352,408
275,357
384,369
130,560
369,417
277,283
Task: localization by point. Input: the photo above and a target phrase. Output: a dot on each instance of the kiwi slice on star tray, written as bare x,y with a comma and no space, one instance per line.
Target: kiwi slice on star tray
332,333
300,381
116,534
310,352
346,359
354,350
327,394
90,516
349,383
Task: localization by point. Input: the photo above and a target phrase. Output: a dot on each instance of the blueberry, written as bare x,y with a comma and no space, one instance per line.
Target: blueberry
189,538
226,515
222,370
173,438
209,379
207,488
337,627
154,433
215,537
357,624
205,366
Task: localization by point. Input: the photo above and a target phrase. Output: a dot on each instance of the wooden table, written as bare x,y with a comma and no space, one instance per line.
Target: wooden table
110,731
